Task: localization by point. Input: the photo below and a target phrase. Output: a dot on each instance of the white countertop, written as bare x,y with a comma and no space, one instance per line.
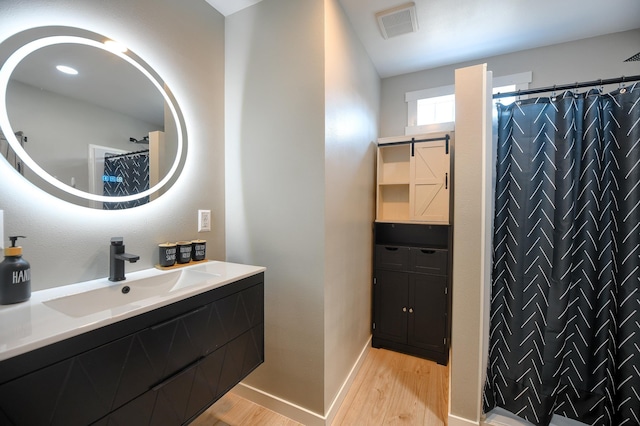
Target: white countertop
33,324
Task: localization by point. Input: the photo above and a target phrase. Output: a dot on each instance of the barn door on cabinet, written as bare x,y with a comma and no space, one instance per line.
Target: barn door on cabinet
430,182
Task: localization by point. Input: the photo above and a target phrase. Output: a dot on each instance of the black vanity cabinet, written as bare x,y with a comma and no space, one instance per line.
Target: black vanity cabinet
164,367
411,300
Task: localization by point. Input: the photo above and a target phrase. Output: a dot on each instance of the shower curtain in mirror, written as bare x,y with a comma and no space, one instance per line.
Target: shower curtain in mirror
565,297
126,174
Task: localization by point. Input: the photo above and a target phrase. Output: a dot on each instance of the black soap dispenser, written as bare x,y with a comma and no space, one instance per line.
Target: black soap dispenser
15,275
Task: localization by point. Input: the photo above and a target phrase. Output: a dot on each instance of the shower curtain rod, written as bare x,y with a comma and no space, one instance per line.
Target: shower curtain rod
144,151
569,86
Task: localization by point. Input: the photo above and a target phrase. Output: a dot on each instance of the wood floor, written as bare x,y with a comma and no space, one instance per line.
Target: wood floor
390,388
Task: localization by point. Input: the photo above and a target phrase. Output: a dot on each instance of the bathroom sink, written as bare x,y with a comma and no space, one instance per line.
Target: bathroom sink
124,294
215,268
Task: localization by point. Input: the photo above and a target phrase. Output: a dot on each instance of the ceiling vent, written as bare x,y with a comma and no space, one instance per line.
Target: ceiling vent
398,20
634,58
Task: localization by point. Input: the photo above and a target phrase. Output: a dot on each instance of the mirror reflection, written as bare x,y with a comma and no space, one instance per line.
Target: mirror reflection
93,122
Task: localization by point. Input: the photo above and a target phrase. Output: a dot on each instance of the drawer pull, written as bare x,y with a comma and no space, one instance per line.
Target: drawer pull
428,251
169,379
391,248
179,317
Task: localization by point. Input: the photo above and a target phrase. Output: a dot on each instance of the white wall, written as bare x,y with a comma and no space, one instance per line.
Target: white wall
184,42
471,243
352,95
302,108
582,60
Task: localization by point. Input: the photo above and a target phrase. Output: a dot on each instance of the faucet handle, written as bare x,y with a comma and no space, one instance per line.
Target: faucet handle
116,241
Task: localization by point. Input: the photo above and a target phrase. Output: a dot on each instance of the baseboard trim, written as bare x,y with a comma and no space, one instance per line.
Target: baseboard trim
301,414
346,385
460,421
279,405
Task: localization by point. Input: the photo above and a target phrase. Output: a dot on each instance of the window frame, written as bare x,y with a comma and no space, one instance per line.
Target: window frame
521,81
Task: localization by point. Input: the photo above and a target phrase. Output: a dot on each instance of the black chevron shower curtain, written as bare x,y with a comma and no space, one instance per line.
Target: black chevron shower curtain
126,175
565,297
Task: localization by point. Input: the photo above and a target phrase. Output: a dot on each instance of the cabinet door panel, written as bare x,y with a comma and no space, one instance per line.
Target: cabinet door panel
392,298
80,389
428,320
430,175
31,400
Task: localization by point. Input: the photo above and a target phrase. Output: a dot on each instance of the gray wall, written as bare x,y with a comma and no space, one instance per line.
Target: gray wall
302,107
352,96
184,42
275,184
582,60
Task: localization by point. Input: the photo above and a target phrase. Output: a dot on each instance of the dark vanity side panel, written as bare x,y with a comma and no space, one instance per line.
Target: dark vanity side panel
22,364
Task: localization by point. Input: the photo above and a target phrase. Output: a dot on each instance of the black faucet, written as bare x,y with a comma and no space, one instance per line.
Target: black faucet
117,256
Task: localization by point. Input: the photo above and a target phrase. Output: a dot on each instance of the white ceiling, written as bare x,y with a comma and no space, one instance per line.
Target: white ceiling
454,31
450,31
228,7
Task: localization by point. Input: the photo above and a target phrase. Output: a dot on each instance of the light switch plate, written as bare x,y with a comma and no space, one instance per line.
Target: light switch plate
204,220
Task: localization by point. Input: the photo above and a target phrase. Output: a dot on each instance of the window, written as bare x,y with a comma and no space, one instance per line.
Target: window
438,109
433,110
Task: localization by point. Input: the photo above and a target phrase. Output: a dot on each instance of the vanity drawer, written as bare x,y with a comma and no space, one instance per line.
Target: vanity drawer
183,396
429,260
395,258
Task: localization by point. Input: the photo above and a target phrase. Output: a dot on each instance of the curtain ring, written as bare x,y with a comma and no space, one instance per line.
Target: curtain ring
601,89
553,94
622,88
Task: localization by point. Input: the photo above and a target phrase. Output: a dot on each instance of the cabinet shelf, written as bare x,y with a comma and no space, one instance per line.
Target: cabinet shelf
393,163
393,200
398,182
414,179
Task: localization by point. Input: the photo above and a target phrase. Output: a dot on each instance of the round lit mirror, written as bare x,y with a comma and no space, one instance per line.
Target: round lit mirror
86,119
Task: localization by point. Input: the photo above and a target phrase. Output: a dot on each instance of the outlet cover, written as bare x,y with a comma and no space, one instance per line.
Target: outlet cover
204,220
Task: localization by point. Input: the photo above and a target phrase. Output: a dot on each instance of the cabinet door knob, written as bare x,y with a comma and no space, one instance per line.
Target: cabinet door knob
410,310
404,309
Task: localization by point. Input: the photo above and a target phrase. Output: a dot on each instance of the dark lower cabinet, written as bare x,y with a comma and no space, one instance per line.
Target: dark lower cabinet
164,367
428,312
411,300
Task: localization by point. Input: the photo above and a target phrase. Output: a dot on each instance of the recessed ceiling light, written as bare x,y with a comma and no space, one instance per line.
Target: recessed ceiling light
67,70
